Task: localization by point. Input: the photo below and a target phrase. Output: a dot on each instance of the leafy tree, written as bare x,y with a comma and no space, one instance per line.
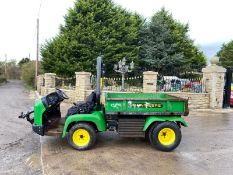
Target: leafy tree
12,70
226,55
23,61
92,28
28,73
2,74
158,51
2,68
166,47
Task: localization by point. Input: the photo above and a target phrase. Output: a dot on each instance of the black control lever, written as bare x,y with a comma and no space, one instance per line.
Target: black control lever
27,116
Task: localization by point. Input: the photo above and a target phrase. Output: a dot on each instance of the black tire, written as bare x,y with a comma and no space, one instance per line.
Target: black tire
88,129
147,134
156,140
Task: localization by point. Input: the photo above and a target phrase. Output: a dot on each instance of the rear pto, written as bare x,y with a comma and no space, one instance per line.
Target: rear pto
156,116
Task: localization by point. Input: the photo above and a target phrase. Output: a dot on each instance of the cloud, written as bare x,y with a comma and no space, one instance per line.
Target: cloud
209,21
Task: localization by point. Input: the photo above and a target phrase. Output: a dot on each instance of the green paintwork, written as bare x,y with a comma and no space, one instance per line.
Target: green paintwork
152,119
96,117
138,95
39,109
144,102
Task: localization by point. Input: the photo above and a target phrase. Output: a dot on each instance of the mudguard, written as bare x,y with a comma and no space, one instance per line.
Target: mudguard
152,119
96,118
39,109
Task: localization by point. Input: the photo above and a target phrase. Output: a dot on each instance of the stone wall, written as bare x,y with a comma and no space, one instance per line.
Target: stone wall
42,91
196,100
49,80
71,94
213,76
149,81
39,83
45,91
78,94
83,83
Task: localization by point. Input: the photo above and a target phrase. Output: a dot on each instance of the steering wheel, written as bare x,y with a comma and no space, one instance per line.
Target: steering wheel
62,94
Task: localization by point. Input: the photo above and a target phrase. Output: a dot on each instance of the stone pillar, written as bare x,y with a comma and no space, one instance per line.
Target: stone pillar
213,76
149,81
40,82
49,82
83,83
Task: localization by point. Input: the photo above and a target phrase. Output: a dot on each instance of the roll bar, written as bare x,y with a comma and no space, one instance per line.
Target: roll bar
98,77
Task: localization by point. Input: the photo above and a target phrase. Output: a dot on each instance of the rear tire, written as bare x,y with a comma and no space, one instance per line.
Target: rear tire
82,136
165,136
147,135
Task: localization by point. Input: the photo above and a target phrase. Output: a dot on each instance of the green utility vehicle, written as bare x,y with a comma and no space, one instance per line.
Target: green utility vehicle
156,116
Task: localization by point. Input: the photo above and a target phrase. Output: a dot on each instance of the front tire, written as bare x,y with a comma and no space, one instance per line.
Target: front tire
165,136
82,136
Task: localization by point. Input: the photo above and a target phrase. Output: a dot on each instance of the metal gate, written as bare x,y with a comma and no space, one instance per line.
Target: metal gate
227,88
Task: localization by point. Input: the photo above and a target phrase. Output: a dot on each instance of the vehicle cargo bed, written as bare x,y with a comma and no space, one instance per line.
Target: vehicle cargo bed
145,104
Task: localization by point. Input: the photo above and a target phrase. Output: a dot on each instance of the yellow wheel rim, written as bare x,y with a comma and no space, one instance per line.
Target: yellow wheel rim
166,136
81,137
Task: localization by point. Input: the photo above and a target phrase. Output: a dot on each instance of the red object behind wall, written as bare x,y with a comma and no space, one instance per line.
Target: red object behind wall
231,99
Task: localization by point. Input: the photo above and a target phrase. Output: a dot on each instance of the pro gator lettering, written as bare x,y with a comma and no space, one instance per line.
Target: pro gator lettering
145,105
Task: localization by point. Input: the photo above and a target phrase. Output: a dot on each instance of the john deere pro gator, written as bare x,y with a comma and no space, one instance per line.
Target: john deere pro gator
156,116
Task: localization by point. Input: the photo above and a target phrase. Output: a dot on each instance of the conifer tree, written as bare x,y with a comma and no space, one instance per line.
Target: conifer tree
166,47
226,55
92,28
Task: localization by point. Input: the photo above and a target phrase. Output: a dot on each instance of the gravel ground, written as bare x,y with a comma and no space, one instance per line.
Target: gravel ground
19,147
206,146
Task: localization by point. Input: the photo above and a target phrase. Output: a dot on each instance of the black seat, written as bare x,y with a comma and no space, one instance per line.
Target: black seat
83,107
91,98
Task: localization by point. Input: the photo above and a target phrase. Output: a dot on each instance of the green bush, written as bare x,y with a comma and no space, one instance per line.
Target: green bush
28,73
2,80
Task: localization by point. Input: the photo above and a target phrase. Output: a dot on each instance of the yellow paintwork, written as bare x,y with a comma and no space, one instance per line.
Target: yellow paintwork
166,136
81,137
101,83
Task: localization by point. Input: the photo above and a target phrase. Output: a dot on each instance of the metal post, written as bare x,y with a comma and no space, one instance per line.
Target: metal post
123,69
37,51
98,76
123,82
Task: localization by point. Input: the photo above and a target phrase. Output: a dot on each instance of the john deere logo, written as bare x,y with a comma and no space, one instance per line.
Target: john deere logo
144,105
116,105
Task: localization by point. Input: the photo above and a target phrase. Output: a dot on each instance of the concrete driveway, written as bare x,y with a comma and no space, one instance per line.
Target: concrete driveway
206,146
19,147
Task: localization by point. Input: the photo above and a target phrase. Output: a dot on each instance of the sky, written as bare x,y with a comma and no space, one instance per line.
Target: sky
210,22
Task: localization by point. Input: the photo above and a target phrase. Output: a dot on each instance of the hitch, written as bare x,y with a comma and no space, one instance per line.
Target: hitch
27,116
